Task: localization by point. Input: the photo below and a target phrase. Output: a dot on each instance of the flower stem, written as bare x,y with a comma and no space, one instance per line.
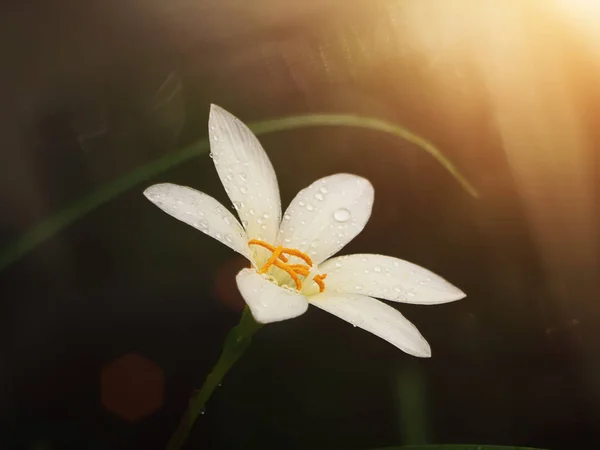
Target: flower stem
236,343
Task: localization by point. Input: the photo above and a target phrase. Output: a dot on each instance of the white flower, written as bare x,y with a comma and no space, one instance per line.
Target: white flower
289,254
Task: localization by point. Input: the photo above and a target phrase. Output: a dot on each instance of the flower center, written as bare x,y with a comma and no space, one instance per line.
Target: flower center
295,271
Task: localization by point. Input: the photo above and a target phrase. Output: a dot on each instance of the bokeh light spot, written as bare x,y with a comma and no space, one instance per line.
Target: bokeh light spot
132,387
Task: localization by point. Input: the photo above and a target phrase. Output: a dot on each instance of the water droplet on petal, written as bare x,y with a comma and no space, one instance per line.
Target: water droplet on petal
377,269
243,189
243,176
251,211
286,217
338,264
238,205
301,203
358,287
310,207
341,215
323,190
319,196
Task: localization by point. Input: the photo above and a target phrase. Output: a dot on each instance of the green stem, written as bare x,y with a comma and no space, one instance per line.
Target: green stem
237,342
65,217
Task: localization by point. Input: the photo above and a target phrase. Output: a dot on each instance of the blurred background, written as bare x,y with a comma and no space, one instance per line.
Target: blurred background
109,326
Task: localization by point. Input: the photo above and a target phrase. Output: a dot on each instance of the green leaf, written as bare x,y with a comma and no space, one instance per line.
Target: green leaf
65,217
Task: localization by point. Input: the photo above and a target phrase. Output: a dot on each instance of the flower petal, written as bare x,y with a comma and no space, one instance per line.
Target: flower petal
375,317
246,173
327,215
202,212
267,301
389,278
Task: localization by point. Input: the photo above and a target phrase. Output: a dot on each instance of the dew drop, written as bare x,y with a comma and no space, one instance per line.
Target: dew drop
243,189
341,215
301,203
377,269
319,196
203,224
243,176
245,223
265,216
338,264
237,205
323,190
228,238
251,211
358,287
310,207
286,217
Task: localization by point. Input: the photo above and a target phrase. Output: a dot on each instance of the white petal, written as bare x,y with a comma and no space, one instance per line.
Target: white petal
375,317
267,301
389,278
327,215
246,173
202,212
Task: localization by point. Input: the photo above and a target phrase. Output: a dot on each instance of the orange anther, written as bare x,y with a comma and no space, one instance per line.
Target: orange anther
266,245
300,269
299,254
272,259
319,280
279,260
290,272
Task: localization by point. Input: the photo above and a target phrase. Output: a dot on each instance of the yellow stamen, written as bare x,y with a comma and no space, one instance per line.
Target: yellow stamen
300,269
299,254
279,260
319,280
269,247
290,272
276,254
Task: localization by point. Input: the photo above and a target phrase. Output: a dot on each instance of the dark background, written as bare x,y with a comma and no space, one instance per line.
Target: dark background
108,327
